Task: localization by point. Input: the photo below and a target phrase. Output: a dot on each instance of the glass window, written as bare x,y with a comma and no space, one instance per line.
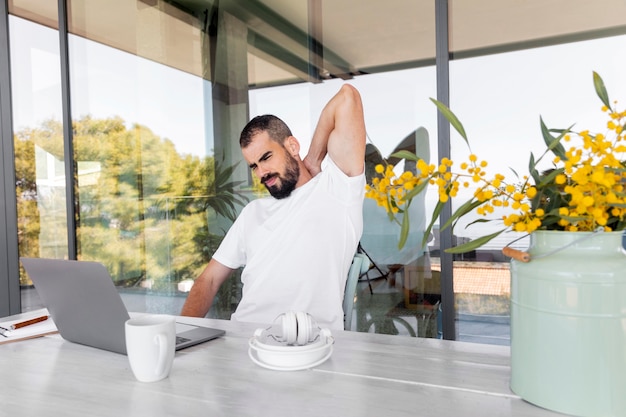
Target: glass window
38,141
400,294
153,200
499,97
161,89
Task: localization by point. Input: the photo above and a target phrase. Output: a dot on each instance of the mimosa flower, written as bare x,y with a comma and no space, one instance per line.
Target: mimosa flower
583,190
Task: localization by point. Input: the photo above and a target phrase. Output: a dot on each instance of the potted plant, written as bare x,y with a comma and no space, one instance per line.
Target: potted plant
568,292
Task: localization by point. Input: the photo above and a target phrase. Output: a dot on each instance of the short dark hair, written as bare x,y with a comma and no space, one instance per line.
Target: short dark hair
275,127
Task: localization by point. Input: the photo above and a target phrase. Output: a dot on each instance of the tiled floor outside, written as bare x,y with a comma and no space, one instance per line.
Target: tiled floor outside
384,310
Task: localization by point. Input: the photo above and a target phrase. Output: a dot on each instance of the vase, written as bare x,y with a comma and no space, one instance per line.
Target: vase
568,323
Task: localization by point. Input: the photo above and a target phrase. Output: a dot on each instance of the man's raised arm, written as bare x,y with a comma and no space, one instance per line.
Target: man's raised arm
340,133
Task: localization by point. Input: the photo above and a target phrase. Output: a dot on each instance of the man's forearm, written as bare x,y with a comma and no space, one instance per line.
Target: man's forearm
204,289
198,301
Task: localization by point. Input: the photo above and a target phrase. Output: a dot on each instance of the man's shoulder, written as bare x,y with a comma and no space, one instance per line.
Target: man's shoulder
330,167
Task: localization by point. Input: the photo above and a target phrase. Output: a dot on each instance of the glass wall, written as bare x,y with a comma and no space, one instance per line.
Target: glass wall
38,136
145,169
159,91
399,295
499,97
151,200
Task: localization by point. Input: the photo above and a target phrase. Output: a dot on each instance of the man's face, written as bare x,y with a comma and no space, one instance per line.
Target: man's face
273,165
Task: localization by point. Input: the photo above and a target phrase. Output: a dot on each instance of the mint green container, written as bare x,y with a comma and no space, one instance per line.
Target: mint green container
568,324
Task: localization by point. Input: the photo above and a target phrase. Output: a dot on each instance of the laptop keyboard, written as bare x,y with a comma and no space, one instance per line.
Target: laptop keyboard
180,339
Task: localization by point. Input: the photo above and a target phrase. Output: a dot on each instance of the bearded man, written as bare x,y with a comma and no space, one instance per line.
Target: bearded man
296,246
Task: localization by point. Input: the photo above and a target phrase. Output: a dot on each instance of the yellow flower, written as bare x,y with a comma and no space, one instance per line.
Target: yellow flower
585,188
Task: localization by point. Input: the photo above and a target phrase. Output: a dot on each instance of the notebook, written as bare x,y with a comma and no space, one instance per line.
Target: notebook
86,307
9,333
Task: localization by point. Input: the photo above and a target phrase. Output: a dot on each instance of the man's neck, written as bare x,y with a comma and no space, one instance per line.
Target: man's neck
305,175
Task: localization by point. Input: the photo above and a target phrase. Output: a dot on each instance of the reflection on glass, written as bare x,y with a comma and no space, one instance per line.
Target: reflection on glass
499,103
38,141
44,12
153,201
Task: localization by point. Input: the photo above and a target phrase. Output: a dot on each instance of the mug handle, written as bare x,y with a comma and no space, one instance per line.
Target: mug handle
161,340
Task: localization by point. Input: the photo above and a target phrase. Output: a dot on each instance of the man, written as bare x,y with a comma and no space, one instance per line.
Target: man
297,245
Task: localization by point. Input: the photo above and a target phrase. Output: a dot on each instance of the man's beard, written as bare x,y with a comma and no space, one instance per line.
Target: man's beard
286,184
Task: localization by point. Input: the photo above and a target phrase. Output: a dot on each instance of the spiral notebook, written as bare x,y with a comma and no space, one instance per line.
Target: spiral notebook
86,307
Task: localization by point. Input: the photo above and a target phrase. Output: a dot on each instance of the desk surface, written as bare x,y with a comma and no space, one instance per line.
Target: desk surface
367,375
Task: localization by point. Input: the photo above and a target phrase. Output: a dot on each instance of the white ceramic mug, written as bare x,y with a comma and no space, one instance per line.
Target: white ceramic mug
150,346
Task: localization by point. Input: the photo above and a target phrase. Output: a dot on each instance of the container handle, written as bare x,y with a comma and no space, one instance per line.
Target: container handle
518,255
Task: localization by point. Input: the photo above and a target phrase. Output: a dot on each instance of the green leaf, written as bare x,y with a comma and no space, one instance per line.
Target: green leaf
473,244
601,89
436,213
452,119
405,155
553,143
531,168
404,230
480,221
467,207
390,213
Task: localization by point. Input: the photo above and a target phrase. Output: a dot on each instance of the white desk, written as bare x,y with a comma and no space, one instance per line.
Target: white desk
368,375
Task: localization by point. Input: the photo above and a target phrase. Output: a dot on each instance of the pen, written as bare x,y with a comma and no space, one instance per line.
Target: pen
28,322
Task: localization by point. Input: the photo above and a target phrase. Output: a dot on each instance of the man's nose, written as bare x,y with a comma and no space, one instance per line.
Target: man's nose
261,172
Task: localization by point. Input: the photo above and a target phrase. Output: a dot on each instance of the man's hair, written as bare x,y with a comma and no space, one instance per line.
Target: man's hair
276,128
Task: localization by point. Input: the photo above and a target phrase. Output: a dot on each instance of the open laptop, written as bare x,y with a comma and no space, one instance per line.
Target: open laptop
86,307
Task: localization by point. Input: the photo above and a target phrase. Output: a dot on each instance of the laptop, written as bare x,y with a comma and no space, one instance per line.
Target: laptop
86,307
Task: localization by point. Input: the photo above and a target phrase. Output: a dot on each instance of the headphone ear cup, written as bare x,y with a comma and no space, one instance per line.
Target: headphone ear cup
304,328
290,327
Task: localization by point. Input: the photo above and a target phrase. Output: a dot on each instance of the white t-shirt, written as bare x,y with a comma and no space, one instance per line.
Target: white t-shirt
297,250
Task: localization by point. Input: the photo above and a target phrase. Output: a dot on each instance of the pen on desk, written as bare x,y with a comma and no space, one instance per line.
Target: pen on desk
28,322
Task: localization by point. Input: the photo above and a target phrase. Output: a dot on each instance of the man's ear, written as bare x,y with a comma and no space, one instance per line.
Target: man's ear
293,146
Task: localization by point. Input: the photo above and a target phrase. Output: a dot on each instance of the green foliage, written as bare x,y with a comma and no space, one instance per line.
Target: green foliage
144,210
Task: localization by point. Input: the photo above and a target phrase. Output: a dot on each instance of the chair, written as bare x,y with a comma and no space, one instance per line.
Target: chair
372,265
360,265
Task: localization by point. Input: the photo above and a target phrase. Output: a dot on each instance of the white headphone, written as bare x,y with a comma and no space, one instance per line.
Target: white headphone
294,343
297,328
